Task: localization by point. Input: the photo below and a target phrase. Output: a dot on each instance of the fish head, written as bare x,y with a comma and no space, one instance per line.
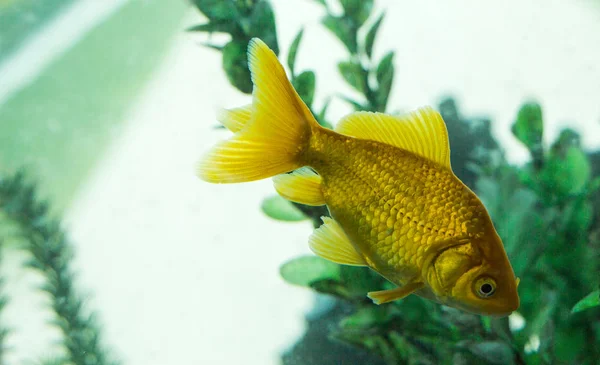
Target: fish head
487,290
463,277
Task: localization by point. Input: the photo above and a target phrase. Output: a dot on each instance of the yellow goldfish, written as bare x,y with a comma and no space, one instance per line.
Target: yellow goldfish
395,204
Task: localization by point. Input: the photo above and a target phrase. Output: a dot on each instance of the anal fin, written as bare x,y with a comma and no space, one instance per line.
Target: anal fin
301,186
330,242
385,296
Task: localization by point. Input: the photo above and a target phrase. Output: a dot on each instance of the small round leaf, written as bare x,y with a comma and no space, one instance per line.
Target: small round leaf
306,270
278,208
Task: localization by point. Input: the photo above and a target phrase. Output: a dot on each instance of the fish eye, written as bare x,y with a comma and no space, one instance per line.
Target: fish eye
485,287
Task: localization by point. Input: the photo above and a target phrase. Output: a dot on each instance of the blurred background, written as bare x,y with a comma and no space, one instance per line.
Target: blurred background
108,105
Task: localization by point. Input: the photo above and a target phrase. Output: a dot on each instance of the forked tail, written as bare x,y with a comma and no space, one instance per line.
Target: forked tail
270,136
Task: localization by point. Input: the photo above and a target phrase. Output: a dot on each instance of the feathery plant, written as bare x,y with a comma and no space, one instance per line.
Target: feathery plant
51,254
3,329
544,211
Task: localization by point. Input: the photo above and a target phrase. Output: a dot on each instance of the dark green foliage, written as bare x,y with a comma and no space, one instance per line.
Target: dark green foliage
243,20
3,330
361,66
529,129
305,82
235,64
354,74
370,38
291,60
316,348
473,147
51,255
385,78
545,224
305,86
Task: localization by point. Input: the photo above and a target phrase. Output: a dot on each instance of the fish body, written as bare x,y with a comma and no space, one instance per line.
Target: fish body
395,204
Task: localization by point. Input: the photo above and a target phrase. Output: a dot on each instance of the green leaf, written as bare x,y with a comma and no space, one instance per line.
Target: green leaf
343,29
305,86
529,126
385,79
213,46
566,139
215,27
291,60
567,174
370,38
578,216
365,318
590,301
278,208
357,10
354,74
594,185
217,9
321,116
354,103
262,25
235,64
306,270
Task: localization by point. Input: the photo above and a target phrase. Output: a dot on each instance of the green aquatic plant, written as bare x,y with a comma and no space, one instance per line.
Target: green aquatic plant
544,211
3,329
41,235
242,20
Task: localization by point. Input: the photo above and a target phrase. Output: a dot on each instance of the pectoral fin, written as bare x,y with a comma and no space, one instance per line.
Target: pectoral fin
330,242
385,296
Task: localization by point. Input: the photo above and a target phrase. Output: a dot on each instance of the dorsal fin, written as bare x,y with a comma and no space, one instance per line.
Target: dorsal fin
301,186
422,132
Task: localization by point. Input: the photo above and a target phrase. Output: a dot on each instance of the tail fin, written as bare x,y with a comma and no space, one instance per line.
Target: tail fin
235,119
273,139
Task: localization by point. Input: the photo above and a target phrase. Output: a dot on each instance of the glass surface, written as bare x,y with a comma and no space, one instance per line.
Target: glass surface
106,107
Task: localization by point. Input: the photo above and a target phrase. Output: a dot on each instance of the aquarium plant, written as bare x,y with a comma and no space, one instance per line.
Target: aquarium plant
543,210
27,225
546,212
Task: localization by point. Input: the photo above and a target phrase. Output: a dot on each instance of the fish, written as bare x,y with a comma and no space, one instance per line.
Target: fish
395,204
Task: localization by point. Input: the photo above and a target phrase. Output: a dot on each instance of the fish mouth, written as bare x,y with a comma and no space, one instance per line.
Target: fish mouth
497,312
503,304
